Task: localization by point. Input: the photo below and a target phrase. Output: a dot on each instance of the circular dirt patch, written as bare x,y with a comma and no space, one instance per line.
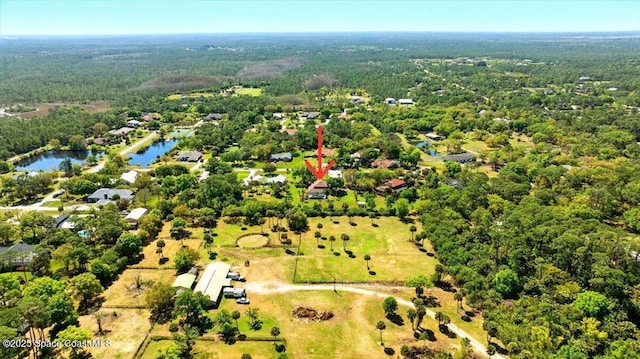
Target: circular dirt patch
253,241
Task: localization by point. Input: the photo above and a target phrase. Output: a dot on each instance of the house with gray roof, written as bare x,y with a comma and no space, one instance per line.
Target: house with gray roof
121,131
213,116
17,255
189,156
284,157
461,157
104,195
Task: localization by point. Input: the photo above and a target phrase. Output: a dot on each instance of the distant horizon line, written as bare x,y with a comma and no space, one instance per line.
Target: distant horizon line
346,32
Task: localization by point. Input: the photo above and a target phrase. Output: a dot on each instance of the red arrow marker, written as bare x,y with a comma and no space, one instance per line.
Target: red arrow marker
319,172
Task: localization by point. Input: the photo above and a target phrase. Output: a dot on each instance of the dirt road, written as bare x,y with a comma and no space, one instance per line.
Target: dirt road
364,289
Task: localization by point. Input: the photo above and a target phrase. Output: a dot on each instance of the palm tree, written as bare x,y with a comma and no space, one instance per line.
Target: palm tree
372,215
99,316
424,336
458,298
320,228
412,314
160,244
381,326
332,239
439,316
330,205
345,207
367,258
236,315
275,331
413,230
345,238
317,235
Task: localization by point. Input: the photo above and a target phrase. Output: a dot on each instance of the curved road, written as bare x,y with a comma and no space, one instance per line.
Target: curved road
278,287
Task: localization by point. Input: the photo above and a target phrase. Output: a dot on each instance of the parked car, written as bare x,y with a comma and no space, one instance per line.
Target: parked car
243,300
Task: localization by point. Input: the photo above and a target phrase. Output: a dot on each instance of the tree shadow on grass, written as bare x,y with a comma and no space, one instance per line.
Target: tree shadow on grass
445,330
337,254
430,254
466,318
353,224
375,225
290,252
350,254
423,250
321,246
213,256
469,314
389,351
372,272
431,336
163,260
395,318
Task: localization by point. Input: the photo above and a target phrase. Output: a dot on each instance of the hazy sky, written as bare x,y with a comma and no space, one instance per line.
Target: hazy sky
89,17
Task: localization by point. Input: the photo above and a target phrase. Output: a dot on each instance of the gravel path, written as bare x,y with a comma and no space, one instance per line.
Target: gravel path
364,289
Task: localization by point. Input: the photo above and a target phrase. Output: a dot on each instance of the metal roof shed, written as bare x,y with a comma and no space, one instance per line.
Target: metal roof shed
213,279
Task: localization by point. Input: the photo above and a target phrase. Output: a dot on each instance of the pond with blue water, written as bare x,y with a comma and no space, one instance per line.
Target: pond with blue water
151,154
50,160
427,147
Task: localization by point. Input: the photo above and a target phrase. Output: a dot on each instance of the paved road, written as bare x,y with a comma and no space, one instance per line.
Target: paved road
131,148
364,289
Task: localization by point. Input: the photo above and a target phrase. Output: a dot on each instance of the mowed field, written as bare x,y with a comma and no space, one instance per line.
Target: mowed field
351,333
393,257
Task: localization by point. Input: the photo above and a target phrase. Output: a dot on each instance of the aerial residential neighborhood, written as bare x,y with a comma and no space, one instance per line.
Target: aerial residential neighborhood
412,180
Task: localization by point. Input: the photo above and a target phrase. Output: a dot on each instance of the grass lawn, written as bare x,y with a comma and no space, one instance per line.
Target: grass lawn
249,91
393,258
475,146
125,331
350,333
178,96
218,350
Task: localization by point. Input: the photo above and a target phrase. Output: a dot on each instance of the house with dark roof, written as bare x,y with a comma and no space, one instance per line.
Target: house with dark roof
189,156
105,195
388,164
151,116
17,255
461,157
284,157
100,141
318,190
213,117
58,221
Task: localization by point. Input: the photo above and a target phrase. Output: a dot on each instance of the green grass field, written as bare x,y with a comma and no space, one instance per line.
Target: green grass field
350,333
178,96
248,91
393,257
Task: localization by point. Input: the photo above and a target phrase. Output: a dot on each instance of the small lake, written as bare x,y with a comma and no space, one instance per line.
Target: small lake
148,157
50,160
427,147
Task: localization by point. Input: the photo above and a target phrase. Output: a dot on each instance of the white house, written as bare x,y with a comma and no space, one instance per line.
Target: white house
134,216
129,177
